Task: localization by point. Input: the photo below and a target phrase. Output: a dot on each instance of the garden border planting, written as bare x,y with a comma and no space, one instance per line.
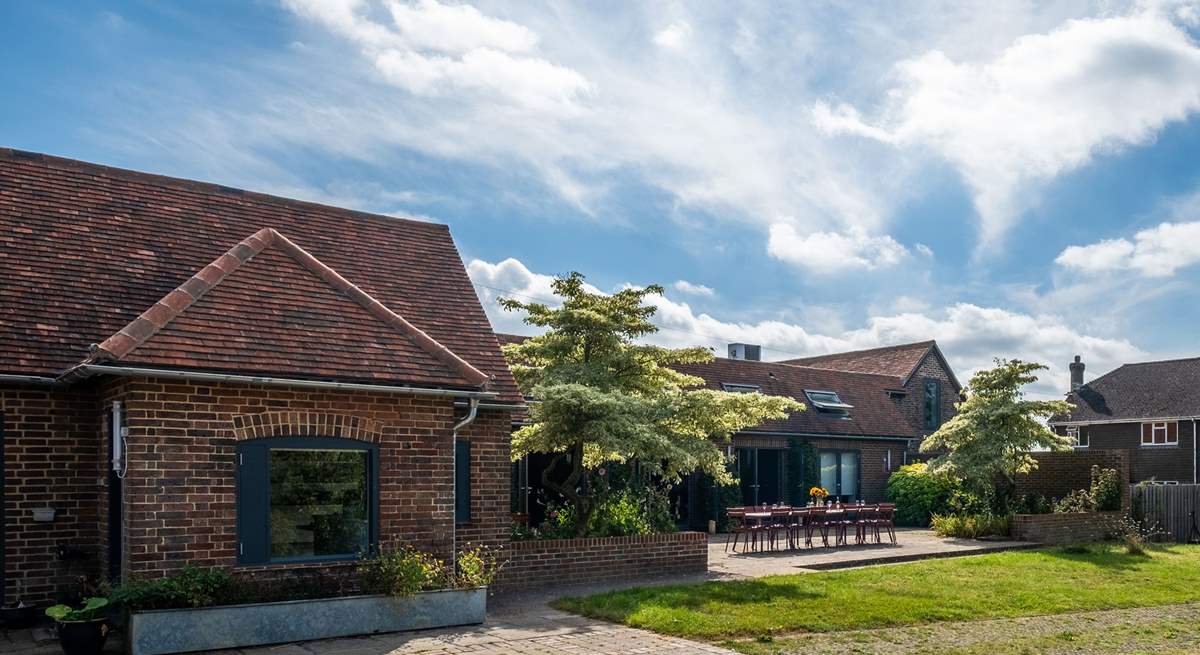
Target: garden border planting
158,632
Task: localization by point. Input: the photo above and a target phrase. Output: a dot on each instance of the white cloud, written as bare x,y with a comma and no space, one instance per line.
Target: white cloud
433,49
1048,104
683,286
971,336
674,35
828,252
1155,252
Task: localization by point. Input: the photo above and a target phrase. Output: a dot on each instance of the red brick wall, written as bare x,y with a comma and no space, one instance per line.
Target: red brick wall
1063,528
52,460
912,405
1058,474
549,562
180,490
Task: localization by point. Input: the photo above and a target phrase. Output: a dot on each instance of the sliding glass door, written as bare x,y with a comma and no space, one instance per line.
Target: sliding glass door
760,471
839,474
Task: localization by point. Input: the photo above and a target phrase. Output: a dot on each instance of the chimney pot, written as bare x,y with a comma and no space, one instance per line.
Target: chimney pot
1077,367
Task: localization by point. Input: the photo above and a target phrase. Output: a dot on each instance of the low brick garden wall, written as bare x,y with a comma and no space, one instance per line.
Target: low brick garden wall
1063,528
545,562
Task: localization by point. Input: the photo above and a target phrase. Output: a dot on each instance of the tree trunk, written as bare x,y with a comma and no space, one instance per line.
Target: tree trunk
569,488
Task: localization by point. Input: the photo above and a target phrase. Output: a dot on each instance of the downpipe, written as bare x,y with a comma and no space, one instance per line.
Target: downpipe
472,412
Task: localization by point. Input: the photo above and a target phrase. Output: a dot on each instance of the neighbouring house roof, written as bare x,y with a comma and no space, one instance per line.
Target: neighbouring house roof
1164,389
172,273
874,414
509,339
900,361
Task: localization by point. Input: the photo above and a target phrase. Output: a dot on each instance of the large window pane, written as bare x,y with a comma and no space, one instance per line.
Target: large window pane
829,472
850,475
318,502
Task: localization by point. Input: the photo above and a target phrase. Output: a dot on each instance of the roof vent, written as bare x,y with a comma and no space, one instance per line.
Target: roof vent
745,351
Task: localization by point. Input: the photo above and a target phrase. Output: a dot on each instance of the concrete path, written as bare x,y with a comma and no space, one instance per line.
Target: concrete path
525,623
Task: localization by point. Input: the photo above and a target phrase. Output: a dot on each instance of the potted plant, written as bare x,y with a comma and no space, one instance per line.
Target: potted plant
83,630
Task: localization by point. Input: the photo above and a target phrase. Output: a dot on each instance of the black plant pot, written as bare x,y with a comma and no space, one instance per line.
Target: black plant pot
15,618
83,637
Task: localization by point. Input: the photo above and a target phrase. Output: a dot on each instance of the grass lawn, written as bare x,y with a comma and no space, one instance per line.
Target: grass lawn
1010,584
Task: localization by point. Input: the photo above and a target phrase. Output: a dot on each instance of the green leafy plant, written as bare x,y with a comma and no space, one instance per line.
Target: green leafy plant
1134,535
94,608
919,494
1080,500
1033,504
190,587
989,440
401,572
970,526
1106,489
605,398
477,567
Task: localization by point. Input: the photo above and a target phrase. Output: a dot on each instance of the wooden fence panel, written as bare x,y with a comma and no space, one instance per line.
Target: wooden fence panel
1172,507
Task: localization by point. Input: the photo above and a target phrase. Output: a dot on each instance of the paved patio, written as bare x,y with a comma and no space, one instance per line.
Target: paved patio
525,623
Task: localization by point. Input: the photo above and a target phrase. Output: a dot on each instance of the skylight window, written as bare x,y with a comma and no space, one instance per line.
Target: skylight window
733,387
828,402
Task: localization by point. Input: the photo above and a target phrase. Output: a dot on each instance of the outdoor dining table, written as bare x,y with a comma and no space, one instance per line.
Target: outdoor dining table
762,525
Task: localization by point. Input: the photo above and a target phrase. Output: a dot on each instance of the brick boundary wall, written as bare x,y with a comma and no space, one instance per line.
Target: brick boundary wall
1062,528
1058,474
540,563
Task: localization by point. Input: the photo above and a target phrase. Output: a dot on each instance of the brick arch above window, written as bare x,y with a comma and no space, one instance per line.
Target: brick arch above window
305,424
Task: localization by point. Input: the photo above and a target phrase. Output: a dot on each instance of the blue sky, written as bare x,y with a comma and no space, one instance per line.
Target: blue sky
1016,181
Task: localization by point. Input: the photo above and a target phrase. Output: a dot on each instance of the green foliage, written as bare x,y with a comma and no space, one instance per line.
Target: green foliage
93,608
970,526
1079,500
477,567
401,572
190,587
989,440
1033,504
1106,489
803,472
604,399
637,510
919,493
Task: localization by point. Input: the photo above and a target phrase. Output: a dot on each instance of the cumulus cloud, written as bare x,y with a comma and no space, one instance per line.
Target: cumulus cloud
431,49
829,252
1159,251
683,286
970,335
1048,104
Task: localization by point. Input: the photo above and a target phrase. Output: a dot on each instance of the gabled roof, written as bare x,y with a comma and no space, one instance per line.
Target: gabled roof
900,361
875,414
86,249
1146,390
268,306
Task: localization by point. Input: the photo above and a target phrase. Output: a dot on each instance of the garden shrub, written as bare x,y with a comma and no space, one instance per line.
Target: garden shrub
1033,504
919,494
190,587
477,567
619,514
970,526
401,572
1079,500
1106,489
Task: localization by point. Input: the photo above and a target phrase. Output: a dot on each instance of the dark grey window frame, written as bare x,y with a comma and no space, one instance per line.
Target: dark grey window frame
253,496
935,421
858,474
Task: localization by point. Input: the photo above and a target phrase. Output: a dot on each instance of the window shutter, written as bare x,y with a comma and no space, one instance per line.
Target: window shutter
462,481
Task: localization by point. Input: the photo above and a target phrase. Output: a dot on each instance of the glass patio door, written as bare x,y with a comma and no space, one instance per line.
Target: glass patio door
839,474
760,471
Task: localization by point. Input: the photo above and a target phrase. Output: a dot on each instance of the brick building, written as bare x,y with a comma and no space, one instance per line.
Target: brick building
1149,409
867,414
196,374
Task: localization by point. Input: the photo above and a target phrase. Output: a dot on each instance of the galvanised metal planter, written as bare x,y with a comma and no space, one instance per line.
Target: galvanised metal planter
234,626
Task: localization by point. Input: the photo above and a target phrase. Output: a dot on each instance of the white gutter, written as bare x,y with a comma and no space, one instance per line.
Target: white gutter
87,370
469,419
1158,419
